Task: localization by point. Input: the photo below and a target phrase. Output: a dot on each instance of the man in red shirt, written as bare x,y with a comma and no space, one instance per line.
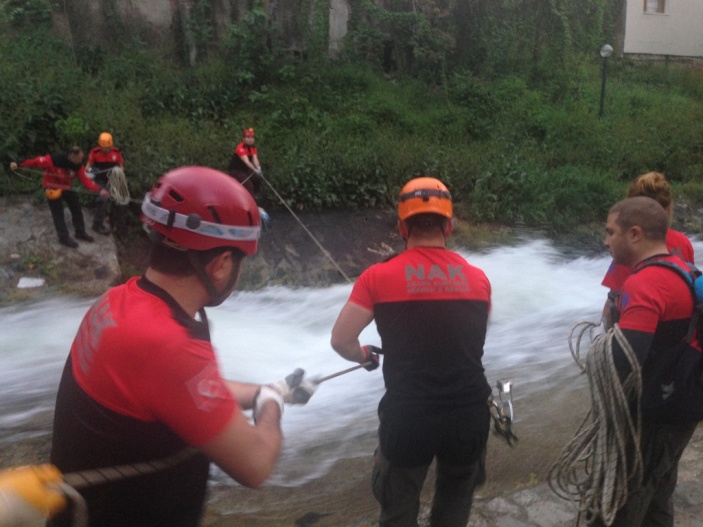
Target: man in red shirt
59,171
244,164
101,160
431,310
656,307
142,387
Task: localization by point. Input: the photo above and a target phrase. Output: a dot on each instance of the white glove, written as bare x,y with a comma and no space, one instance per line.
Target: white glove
258,171
89,172
295,389
264,395
29,495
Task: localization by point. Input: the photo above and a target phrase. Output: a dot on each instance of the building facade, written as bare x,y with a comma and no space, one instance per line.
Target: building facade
664,28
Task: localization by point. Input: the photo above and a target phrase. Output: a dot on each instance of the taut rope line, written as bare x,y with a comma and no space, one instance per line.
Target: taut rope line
324,251
593,466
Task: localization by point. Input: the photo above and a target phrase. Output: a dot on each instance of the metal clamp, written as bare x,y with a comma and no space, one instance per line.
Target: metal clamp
502,412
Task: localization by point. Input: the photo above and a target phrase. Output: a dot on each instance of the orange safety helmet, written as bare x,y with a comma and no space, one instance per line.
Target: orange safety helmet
424,195
248,132
200,208
52,193
105,140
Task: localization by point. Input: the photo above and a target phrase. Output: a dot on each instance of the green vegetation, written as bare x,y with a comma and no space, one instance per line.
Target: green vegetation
506,114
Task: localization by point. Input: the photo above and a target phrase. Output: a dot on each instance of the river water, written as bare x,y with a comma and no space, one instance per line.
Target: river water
261,336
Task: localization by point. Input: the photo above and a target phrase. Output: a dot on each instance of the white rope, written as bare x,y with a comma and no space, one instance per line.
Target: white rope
594,467
312,236
119,192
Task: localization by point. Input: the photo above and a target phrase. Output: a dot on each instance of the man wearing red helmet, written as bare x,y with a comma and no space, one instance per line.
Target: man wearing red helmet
244,164
142,386
431,310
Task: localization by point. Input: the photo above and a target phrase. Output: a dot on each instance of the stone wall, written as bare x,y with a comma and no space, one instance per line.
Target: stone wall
163,23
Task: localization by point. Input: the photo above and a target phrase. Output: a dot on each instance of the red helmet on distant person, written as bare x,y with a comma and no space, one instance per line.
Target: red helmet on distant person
105,140
200,208
248,132
424,195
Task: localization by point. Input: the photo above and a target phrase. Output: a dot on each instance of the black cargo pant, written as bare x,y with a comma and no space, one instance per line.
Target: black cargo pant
74,206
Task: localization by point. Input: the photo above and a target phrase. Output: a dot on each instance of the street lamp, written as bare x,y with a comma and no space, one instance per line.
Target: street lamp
605,52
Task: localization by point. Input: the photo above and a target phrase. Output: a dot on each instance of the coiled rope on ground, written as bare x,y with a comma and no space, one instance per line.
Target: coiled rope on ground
602,463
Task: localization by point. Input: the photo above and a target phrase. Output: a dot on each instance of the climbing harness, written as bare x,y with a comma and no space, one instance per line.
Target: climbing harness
502,412
602,463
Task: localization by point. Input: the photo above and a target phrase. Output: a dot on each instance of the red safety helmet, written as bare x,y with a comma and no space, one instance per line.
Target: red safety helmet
424,195
248,132
200,208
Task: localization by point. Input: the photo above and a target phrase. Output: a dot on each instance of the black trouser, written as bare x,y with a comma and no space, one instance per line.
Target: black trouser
102,204
250,179
74,206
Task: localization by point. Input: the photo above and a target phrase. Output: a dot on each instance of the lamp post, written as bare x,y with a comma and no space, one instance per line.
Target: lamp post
605,52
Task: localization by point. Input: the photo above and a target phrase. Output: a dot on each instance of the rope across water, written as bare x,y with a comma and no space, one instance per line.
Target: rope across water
603,462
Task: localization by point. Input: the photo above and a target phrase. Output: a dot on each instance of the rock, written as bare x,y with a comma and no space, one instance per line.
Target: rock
30,254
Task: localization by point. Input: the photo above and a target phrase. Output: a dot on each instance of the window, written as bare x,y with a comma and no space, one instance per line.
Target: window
654,6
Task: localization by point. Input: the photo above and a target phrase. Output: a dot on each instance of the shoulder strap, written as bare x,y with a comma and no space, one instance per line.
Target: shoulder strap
689,276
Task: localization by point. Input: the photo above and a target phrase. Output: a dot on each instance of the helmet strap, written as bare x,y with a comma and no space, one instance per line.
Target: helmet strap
216,297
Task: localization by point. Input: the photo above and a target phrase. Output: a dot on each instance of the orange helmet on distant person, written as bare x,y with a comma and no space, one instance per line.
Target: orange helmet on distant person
424,195
200,208
105,140
248,132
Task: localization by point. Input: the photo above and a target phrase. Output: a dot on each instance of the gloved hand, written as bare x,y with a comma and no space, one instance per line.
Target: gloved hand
29,495
295,389
372,355
89,172
258,171
265,394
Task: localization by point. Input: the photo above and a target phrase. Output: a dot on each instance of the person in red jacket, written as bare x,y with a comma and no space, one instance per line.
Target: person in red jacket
59,170
244,164
102,159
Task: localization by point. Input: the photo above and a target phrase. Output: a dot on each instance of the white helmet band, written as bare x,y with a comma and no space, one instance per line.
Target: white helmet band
193,223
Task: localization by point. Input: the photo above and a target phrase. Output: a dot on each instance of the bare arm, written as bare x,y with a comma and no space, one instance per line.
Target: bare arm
244,393
345,334
246,452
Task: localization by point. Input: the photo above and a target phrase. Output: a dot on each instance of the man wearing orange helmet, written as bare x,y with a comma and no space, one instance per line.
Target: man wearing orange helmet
142,384
431,310
59,171
101,160
244,164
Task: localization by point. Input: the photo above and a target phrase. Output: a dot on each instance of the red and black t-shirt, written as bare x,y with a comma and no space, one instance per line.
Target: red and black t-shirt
141,383
657,301
242,150
431,309
105,160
